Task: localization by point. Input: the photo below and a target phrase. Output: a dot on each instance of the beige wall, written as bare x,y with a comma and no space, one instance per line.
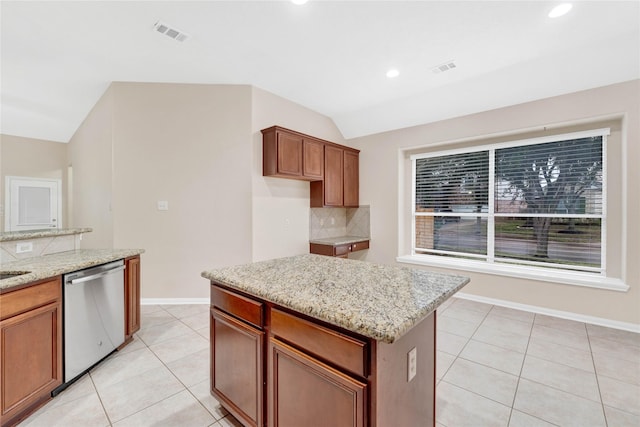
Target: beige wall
281,206
90,156
380,166
32,158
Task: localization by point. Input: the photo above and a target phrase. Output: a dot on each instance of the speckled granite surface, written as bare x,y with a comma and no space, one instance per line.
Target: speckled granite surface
60,263
36,234
337,241
377,301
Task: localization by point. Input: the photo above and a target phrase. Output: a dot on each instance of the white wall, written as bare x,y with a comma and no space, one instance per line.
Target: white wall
379,187
281,206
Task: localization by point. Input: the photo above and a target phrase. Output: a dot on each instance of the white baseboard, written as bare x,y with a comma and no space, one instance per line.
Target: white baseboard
173,301
631,327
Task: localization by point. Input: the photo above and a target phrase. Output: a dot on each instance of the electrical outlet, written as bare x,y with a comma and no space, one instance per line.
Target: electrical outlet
412,363
23,247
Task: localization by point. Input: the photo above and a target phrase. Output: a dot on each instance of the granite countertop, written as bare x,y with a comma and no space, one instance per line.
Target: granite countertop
337,241
377,301
45,266
36,234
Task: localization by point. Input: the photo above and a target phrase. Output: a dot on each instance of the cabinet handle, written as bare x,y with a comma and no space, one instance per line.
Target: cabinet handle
354,246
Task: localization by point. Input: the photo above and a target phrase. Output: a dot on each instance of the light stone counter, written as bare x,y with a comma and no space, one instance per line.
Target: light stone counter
37,234
377,301
46,266
337,241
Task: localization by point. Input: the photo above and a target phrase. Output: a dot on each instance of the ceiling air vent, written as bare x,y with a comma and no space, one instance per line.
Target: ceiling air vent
171,32
443,67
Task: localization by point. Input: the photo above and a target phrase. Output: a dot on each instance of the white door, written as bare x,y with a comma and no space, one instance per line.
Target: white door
32,203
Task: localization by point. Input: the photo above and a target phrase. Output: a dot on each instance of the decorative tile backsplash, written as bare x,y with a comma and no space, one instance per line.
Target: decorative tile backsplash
336,222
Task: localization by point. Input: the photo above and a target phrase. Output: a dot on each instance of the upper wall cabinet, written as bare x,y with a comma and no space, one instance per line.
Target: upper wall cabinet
289,154
332,168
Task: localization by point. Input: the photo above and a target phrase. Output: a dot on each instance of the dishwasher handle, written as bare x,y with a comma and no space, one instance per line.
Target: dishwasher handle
95,276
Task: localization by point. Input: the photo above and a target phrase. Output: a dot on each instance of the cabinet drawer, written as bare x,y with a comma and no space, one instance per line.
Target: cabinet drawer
358,246
31,297
342,350
242,307
341,250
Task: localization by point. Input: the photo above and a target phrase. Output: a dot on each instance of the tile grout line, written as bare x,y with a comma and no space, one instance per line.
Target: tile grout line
595,371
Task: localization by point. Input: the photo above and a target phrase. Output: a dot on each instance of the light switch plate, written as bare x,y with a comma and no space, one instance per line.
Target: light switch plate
163,205
412,364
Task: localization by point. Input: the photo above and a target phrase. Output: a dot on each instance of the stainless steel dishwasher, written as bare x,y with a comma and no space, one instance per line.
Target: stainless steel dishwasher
93,316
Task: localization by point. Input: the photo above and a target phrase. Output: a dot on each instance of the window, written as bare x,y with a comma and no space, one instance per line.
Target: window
537,203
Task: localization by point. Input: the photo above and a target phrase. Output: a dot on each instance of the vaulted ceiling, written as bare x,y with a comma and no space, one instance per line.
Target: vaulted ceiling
59,57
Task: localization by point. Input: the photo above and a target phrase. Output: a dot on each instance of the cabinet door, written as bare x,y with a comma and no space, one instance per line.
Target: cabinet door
132,296
313,159
351,179
237,367
333,176
30,359
306,392
289,154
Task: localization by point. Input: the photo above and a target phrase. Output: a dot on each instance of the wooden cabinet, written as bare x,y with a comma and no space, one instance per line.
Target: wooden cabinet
332,169
289,154
131,297
341,251
31,353
304,390
237,355
340,187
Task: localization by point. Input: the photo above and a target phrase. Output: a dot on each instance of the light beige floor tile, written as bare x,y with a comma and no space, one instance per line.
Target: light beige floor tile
470,305
620,395
510,325
618,418
157,334
186,310
508,340
84,411
580,342
197,321
450,343
488,382
82,387
617,335
205,333
149,308
135,344
508,361
559,353
461,408
192,369
138,392
520,419
566,378
228,421
618,369
614,349
155,318
513,314
179,347
201,391
443,363
181,409
116,369
556,406
578,328
464,314
456,326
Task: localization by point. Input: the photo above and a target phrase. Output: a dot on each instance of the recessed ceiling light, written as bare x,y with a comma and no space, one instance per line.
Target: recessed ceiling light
299,1
559,10
393,73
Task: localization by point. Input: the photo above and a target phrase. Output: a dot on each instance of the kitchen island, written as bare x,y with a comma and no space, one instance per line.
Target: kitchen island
316,341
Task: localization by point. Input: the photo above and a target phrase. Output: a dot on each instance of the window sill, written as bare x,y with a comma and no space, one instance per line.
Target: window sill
521,272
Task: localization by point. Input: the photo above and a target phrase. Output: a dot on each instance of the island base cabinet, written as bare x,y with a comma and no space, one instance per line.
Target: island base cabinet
302,389
29,368
237,366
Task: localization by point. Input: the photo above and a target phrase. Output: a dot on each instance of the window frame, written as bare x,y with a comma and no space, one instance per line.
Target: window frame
488,264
